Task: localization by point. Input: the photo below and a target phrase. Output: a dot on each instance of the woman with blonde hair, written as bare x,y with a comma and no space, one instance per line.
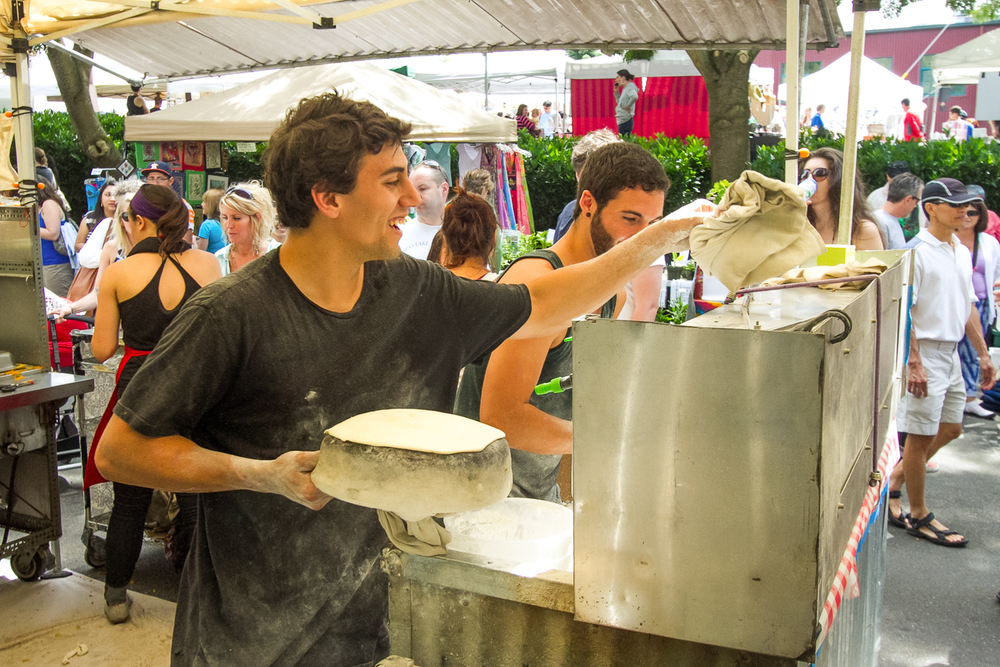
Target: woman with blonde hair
248,216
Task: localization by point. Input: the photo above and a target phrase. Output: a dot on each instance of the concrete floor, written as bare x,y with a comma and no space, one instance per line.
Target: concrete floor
940,605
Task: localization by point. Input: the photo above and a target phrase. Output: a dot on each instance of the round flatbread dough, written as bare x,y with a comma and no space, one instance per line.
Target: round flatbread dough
390,473
417,430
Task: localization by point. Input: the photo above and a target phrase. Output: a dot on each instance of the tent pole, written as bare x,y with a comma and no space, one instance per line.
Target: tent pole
486,80
803,33
792,57
20,102
851,133
937,96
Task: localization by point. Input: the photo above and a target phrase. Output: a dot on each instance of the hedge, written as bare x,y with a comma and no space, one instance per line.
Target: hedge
972,161
551,182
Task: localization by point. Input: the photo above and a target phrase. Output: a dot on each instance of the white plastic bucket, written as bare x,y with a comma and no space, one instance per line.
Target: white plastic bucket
522,530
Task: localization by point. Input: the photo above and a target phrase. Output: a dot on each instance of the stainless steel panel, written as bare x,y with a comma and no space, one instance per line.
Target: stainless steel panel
696,494
718,471
458,610
22,324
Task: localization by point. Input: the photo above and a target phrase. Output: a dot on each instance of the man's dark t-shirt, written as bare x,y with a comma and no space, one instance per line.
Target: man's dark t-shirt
251,367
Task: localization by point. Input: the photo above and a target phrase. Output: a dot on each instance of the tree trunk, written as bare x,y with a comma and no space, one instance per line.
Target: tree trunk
73,78
727,79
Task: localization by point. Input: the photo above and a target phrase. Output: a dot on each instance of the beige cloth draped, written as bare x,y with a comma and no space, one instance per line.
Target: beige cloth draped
423,538
760,230
851,268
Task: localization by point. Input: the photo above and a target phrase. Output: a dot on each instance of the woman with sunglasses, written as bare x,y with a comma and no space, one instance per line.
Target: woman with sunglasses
825,165
142,293
985,272
247,215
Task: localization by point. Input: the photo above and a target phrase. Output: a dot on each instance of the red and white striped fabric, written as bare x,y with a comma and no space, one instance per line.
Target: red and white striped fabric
846,580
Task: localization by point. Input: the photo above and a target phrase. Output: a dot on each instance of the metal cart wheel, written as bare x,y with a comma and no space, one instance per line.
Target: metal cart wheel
28,566
95,554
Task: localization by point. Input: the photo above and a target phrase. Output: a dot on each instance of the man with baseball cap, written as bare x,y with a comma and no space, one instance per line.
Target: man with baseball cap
160,173
941,313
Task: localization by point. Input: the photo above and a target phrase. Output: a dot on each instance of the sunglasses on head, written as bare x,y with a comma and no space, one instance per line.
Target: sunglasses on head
240,192
819,173
433,165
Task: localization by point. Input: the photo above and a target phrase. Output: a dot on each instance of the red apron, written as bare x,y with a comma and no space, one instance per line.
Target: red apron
91,475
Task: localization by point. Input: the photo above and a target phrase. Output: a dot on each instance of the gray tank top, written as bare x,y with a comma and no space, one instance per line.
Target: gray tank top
535,475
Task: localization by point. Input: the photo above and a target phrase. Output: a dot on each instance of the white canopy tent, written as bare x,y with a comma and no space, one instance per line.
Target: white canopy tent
964,63
252,111
880,94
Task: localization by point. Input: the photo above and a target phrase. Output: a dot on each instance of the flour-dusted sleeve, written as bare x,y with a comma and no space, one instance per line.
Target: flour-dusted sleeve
187,373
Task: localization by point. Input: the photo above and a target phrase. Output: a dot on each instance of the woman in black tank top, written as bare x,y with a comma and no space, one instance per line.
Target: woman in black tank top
142,294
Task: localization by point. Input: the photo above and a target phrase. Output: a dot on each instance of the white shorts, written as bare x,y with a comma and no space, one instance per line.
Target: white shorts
945,400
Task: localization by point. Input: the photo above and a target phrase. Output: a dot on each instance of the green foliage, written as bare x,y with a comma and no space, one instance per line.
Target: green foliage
718,190
582,54
675,313
637,54
55,135
244,167
552,183
550,176
513,247
972,161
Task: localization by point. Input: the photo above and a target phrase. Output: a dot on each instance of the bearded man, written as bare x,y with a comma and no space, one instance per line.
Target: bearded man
619,192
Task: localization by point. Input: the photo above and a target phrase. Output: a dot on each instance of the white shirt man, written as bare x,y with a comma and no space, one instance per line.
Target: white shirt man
549,120
942,312
432,185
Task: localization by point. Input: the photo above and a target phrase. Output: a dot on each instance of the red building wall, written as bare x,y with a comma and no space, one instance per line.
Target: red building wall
904,47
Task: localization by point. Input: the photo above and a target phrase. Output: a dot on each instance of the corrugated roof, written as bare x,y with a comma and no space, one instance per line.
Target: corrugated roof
177,42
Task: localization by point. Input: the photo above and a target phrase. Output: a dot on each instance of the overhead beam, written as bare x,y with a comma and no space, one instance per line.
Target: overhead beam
176,7
90,25
90,61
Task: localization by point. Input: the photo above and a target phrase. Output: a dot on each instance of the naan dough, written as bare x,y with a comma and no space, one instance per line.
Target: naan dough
417,430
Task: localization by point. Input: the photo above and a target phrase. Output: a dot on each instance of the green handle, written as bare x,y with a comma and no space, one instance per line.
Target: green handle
555,386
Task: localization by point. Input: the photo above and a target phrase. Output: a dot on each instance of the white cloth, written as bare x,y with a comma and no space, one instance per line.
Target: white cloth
990,249
417,237
90,253
223,254
892,231
945,400
470,156
942,288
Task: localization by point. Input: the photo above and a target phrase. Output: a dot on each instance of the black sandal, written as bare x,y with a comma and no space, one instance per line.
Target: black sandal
939,535
897,521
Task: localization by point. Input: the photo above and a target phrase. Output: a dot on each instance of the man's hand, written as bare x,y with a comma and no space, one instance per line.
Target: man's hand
987,373
289,475
683,220
916,382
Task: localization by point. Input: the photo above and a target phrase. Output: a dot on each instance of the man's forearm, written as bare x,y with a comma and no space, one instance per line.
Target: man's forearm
171,464
529,429
974,332
559,296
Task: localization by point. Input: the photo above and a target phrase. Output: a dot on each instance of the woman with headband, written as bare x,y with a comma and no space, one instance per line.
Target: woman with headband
142,293
248,218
